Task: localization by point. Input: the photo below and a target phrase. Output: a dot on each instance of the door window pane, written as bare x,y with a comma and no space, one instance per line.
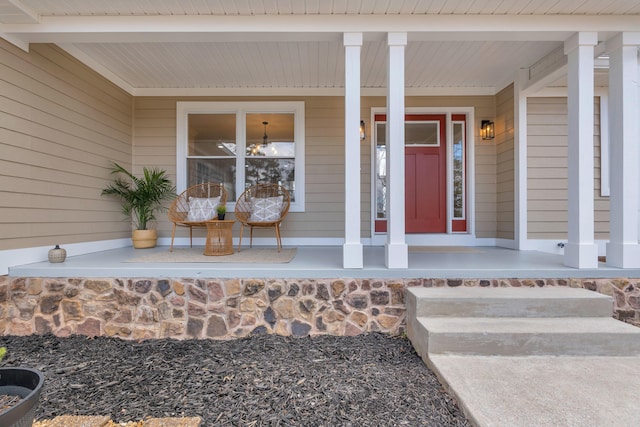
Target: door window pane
422,133
381,171
458,170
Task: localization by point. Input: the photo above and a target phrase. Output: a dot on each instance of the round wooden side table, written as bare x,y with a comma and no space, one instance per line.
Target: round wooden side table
219,237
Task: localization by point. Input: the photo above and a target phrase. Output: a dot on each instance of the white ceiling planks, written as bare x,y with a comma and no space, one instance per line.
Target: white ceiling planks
328,7
278,44
239,65
373,67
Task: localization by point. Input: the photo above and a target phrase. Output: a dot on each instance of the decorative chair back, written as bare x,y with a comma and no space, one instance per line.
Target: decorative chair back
262,206
200,198
246,202
179,209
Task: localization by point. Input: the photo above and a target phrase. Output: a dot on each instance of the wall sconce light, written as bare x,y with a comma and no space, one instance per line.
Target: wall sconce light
487,130
362,133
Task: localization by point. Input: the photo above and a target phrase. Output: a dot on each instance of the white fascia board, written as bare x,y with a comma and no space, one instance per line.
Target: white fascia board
536,87
97,67
16,41
64,29
555,66
291,91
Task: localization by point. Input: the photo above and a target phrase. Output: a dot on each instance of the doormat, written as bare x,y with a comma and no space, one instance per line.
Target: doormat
247,255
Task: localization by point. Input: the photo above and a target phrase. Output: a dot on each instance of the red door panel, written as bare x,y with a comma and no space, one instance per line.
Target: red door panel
425,185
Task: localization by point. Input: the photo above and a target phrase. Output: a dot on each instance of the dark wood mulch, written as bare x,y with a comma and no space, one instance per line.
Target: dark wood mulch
263,380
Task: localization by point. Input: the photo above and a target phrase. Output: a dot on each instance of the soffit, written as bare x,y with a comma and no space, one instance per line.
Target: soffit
309,64
230,45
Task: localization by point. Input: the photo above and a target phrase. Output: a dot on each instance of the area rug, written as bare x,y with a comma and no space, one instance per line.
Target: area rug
247,255
444,249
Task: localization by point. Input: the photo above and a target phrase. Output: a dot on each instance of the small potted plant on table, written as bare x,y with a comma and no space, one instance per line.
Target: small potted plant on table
141,197
221,210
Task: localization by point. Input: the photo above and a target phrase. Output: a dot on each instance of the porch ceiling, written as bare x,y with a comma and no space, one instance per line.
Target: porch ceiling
279,46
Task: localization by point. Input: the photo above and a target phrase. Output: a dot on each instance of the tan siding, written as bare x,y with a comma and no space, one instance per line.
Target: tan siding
601,204
547,171
505,183
155,145
155,139
61,125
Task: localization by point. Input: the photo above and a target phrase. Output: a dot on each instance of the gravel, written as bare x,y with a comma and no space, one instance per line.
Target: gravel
263,380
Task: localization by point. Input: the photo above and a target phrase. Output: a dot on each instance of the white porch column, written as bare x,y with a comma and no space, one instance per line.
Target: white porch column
352,248
581,250
520,161
396,249
623,250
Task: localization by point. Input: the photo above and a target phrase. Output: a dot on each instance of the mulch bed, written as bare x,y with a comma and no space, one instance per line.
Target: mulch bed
263,380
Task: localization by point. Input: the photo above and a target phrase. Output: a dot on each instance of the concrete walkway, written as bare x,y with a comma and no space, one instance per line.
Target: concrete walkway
543,391
518,357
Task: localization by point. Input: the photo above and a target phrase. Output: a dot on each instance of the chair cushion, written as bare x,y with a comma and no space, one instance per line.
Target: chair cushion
265,209
202,209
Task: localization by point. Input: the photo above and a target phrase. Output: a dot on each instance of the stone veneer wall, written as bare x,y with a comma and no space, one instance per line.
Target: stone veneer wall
134,308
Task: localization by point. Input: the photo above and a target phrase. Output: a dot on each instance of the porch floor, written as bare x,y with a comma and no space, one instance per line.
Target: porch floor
326,262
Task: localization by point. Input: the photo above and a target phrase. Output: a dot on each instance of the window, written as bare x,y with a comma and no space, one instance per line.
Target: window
240,144
458,170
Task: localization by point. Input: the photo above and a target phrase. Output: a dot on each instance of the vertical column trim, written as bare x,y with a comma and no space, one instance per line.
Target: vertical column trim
521,161
396,249
623,250
352,250
581,250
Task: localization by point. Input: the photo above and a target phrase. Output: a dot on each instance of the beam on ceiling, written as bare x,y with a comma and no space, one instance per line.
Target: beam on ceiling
77,29
553,66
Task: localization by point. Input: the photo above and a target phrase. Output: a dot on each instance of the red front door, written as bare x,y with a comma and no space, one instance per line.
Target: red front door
425,174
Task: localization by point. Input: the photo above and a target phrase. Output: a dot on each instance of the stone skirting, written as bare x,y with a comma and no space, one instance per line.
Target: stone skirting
134,308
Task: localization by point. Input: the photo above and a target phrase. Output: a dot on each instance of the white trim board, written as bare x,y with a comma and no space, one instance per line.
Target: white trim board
469,159
13,257
551,246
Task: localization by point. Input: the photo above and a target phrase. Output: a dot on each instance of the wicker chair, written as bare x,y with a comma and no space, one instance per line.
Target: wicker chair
262,206
184,211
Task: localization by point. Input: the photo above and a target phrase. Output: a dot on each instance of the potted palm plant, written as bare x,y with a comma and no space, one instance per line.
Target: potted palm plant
141,198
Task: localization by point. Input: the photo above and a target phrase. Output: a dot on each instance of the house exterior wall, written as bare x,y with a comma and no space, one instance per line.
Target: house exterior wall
61,125
547,170
154,144
505,185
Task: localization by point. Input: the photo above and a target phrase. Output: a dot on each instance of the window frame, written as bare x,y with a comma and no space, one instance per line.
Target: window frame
241,109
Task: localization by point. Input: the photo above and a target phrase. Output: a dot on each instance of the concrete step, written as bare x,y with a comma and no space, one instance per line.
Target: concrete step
507,302
581,336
